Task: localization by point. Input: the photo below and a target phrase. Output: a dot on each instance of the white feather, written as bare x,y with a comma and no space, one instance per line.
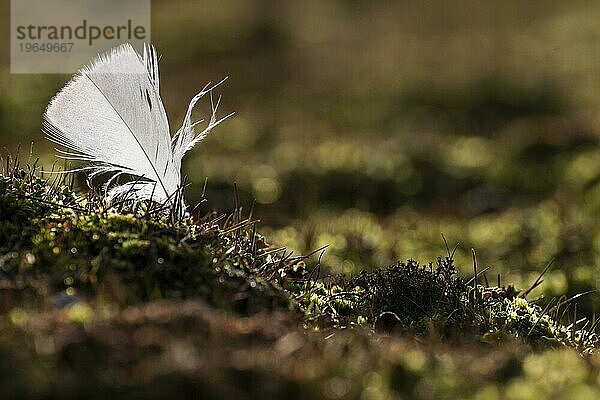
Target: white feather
111,115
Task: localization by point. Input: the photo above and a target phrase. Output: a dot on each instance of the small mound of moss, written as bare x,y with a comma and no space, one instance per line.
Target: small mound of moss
60,248
408,298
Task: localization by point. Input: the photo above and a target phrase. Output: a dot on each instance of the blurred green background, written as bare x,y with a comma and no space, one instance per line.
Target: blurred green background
376,126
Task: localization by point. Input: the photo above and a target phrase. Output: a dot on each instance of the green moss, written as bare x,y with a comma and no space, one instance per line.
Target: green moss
59,244
434,301
137,305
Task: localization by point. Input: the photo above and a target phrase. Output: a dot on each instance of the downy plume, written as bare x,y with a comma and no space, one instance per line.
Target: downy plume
111,116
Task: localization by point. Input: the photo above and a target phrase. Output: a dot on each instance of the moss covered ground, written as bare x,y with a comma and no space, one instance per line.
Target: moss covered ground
369,127
99,301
